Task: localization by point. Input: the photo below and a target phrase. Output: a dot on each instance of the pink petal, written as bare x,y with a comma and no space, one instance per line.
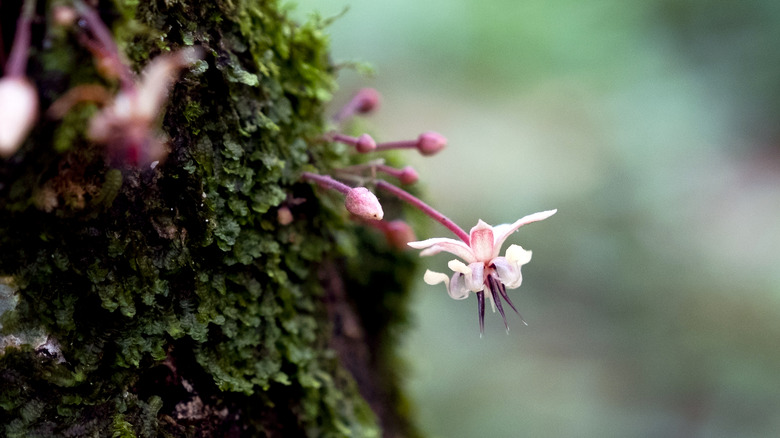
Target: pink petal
439,244
501,232
481,239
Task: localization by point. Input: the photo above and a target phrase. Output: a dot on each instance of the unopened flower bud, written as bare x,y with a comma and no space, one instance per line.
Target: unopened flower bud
361,202
398,233
408,175
18,111
429,143
366,100
365,144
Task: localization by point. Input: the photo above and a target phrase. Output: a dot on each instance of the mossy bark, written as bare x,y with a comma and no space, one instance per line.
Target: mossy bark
171,301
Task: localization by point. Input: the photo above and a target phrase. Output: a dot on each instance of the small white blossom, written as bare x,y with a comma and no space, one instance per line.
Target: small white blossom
484,269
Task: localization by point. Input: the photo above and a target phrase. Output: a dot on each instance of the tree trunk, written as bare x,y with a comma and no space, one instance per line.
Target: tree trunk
175,299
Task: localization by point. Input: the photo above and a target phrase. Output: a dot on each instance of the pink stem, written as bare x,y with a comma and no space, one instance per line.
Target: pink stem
392,171
425,208
346,112
341,138
406,144
17,59
326,181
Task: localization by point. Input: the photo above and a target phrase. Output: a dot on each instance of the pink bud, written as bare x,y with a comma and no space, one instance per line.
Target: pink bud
408,175
18,112
361,202
429,143
398,234
366,100
284,216
365,144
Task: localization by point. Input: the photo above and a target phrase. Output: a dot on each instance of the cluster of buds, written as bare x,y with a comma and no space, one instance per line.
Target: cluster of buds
359,200
480,268
428,143
127,121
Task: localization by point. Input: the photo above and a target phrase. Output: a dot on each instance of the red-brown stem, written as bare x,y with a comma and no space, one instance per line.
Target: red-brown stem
326,181
104,37
425,208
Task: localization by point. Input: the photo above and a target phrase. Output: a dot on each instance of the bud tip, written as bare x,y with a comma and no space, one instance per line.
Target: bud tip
429,143
361,202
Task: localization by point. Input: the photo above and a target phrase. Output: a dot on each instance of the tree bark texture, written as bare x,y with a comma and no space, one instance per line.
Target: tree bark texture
171,300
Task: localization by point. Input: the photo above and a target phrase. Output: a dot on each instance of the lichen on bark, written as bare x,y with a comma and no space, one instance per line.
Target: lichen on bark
170,301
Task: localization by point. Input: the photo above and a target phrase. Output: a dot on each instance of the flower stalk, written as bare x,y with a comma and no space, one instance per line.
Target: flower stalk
108,47
423,207
17,59
428,143
359,200
363,144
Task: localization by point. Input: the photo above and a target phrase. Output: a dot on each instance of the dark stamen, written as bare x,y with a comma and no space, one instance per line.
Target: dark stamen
502,291
481,309
495,284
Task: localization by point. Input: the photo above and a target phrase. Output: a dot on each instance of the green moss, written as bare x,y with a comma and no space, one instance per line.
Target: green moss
177,299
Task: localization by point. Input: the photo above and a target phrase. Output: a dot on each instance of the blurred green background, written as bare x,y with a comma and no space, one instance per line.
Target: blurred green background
653,298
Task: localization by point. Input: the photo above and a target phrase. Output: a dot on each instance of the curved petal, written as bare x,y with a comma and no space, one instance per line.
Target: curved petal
481,241
509,268
456,288
459,266
439,244
434,278
518,255
501,232
473,274
476,281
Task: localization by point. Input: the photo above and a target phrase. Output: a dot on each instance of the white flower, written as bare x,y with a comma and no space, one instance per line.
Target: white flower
484,270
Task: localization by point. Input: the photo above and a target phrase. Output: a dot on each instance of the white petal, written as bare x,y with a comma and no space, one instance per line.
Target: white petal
476,281
516,254
434,278
509,267
458,266
457,288
492,301
501,232
439,244
473,274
